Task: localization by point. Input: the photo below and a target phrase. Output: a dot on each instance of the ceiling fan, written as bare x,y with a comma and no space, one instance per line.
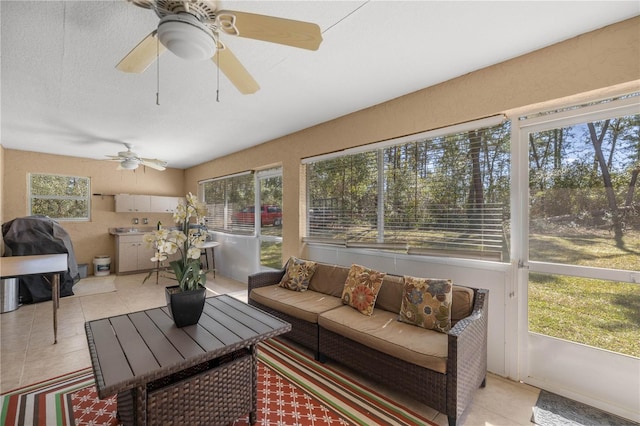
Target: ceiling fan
191,29
129,160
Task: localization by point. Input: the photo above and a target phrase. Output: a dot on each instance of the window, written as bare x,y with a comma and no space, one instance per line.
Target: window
444,192
230,202
59,197
269,187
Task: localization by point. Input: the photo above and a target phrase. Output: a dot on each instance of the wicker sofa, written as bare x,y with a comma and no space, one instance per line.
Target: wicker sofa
441,370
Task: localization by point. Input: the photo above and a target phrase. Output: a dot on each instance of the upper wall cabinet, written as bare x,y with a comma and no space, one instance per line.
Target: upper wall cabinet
164,204
127,203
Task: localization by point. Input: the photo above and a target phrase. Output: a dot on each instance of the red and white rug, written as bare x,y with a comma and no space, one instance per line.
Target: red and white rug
293,389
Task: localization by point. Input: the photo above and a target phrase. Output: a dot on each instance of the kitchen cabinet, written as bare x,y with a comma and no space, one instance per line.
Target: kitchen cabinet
130,203
161,204
133,254
127,203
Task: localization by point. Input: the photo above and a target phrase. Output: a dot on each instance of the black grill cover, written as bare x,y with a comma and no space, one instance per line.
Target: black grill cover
40,235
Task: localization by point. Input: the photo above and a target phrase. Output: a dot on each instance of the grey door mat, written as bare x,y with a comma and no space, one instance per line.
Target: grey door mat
556,410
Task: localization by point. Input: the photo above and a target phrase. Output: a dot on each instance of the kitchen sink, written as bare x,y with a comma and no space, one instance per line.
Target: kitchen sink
123,230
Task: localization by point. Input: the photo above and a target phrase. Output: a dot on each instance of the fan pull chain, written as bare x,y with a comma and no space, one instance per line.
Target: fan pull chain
157,70
218,73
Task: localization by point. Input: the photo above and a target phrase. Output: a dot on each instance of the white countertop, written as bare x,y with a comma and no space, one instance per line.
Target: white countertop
15,266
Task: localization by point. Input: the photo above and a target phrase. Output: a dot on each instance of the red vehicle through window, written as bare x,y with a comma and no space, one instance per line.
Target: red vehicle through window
269,215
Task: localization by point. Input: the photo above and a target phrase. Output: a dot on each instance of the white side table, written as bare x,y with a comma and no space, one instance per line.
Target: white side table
209,245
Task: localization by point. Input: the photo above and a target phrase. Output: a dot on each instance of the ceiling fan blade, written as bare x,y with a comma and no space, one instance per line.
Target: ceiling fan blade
113,158
235,71
153,163
143,55
305,35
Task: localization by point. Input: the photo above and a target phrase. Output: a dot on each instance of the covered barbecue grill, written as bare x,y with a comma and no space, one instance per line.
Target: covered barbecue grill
34,235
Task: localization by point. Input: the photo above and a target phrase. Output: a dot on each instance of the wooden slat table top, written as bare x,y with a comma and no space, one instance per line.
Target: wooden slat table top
134,349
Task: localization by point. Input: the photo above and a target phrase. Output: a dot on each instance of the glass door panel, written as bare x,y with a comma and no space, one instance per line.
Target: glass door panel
269,224
578,245
584,212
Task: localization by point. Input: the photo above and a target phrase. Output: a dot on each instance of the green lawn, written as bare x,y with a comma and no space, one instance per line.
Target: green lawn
599,313
271,254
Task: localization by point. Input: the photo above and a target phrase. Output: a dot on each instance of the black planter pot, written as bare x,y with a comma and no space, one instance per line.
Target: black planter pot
185,306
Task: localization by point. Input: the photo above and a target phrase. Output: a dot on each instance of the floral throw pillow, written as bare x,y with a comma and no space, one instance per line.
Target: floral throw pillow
298,274
426,303
361,288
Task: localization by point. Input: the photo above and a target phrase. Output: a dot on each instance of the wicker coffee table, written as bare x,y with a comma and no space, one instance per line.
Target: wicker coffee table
200,374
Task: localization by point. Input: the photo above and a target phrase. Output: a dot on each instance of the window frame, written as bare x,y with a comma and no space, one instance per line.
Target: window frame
399,245
86,198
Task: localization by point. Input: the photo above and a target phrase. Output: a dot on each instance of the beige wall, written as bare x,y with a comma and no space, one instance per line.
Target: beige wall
604,61
89,238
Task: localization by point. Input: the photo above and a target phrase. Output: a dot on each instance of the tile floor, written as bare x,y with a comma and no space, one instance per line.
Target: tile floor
28,355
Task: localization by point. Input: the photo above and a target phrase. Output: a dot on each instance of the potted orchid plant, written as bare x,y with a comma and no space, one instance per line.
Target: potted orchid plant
191,278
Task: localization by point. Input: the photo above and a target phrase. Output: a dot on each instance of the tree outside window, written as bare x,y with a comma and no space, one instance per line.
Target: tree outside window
59,197
434,195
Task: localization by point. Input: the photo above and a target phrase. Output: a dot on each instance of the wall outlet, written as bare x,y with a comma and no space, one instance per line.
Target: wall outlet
145,220
135,221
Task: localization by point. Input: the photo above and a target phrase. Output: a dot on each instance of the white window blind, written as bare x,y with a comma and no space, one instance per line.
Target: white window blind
445,194
228,201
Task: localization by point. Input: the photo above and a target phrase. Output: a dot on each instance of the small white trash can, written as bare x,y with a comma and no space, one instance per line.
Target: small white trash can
101,265
9,295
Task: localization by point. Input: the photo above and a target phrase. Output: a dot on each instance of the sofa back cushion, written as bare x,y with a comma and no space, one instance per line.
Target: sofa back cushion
329,279
461,303
390,298
390,295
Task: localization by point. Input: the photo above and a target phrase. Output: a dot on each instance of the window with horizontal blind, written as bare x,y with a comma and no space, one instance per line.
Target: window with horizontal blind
230,202
435,193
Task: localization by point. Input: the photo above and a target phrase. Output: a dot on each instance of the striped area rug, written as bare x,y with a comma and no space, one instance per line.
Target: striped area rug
293,389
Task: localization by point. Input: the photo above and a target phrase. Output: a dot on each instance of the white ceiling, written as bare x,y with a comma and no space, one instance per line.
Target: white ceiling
61,93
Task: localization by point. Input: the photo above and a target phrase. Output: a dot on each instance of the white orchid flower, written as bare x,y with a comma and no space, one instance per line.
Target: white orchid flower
191,199
193,253
184,240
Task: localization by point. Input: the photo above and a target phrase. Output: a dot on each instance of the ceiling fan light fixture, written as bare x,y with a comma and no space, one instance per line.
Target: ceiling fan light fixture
129,164
187,37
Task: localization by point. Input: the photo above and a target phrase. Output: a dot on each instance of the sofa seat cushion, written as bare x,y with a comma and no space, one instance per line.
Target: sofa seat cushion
305,305
382,331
